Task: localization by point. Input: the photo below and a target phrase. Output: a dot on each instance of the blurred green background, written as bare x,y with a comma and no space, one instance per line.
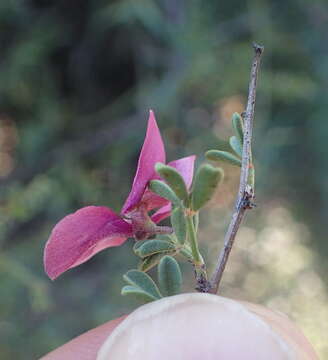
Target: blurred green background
76,81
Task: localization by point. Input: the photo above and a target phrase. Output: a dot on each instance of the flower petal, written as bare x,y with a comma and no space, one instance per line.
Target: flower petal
185,167
80,235
152,200
152,152
162,213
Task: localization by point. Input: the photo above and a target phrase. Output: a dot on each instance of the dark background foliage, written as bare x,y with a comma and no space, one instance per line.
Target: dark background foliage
76,81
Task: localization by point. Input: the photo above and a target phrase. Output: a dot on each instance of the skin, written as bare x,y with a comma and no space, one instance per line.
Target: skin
192,326
85,346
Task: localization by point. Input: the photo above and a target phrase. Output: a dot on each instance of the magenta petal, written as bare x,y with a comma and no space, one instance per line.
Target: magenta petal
185,167
161,213
153,200
152,152
82,234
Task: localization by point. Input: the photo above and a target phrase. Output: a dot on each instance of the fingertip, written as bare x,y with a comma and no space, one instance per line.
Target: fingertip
85,346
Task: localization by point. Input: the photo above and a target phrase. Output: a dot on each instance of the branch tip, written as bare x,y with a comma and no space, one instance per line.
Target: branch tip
258,48
245,193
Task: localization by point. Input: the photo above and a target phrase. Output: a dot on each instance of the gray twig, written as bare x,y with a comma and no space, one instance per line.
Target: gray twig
246,192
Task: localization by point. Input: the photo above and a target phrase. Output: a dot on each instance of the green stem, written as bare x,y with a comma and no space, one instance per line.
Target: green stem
196,221
198,262
193,241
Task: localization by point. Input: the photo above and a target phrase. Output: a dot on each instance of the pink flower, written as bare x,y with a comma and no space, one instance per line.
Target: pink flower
80,235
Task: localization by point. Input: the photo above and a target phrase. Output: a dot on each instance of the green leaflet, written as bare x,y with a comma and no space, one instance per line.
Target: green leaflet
137,293
217,155
165,237
149,262
138,244
238,125
206,181
174,180
236,145
186,253
163,190
141,283
151,247
178,221
169,276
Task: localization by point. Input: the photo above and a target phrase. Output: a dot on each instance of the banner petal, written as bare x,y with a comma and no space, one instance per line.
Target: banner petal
152,152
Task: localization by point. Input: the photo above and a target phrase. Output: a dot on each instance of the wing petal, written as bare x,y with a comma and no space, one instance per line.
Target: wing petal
79,236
